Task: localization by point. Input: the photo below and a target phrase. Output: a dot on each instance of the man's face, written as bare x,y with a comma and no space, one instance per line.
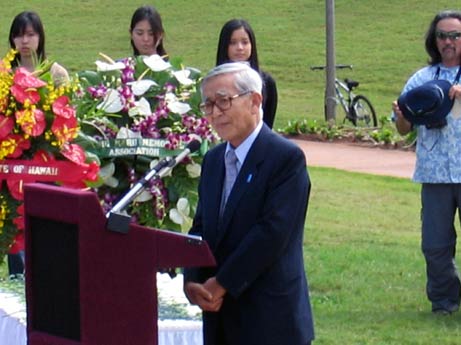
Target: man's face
241,118
449,46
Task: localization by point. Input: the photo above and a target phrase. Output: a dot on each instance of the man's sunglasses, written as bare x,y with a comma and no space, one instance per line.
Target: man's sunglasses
452,35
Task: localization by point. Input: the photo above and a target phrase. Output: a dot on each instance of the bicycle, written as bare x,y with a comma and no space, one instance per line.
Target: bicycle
358,108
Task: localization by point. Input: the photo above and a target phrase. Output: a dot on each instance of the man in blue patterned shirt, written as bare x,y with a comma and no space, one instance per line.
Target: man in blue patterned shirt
438,164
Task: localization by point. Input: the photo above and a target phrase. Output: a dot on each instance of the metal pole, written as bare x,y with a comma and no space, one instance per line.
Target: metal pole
330,93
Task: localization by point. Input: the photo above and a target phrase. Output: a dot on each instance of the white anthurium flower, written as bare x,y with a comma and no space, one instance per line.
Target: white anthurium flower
142,107
194,170
106,67
106,172
140,87
112,102
170,97
175,106
183,77
179,107
111,182
180,214
125,133
156,63
144,196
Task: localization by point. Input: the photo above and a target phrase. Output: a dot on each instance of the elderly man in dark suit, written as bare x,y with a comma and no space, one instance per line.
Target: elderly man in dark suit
253,198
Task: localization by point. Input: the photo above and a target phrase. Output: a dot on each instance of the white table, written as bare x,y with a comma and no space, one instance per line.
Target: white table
170,332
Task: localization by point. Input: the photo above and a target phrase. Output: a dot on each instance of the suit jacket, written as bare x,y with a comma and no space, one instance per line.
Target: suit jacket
258,245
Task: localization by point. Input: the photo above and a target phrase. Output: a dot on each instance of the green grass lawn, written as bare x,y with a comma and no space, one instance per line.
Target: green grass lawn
364,264
363,259
382,39
362,249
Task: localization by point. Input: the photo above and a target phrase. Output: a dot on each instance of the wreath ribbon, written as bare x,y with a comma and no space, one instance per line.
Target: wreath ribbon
28,171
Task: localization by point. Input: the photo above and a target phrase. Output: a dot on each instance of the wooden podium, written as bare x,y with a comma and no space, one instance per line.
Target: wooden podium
88,285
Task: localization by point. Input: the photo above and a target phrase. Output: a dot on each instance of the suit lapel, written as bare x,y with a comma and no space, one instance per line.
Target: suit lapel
247,175
213,192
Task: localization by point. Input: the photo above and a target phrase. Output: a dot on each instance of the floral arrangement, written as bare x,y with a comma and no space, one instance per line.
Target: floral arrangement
38,128
133,112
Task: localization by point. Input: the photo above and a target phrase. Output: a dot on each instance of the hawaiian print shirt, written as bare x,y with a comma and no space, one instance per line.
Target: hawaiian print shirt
438,151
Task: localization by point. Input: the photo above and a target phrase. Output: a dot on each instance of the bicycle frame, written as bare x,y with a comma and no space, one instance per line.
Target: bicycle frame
343,101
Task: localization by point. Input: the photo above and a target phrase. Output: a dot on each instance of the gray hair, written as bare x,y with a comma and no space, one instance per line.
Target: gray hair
246,78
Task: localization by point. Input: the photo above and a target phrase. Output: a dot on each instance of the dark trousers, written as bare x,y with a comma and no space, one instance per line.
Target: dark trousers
439,205
15,263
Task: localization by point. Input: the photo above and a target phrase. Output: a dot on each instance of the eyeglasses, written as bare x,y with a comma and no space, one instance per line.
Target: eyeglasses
222,103
452,35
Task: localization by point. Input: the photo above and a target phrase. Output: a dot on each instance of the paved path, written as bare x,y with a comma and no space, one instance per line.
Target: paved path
356,158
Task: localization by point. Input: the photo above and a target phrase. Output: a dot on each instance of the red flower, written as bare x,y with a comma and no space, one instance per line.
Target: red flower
65,124
22,144
16,188
22,95
65,129
19,220
62,108
74,153
89,172
24,79
43,156
92,172
32,124
6,125
25,86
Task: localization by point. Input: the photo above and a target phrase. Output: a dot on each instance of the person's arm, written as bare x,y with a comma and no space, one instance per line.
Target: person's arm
270,99
203,295
208,296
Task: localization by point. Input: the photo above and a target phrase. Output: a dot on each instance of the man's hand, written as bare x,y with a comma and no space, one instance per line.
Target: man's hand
401,123
216,289
455,92
199,295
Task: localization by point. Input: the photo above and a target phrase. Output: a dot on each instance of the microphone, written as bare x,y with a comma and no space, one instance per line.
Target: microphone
120,222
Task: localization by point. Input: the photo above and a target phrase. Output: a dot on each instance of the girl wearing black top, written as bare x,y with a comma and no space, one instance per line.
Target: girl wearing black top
237,42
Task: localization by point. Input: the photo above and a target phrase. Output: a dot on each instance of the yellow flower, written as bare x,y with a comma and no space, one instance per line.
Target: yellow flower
3,213
7,147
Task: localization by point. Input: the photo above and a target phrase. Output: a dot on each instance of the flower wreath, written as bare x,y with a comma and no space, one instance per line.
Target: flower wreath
38,128
132,113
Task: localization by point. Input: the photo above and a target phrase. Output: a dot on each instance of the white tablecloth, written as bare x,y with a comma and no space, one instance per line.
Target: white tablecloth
170,332
12,320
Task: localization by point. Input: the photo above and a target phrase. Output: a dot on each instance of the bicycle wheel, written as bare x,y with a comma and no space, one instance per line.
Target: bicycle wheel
363,113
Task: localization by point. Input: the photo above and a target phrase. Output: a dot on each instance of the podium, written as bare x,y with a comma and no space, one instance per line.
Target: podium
86,285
